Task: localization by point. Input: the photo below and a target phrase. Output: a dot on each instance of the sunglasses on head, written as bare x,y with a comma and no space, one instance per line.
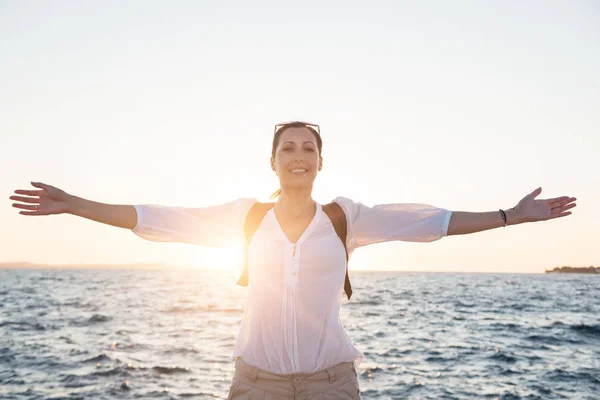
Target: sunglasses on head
282,125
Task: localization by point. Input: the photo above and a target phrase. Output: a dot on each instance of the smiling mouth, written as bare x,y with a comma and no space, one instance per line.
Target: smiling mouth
298,171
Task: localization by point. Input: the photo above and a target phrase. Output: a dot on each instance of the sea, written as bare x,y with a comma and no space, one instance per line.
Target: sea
170,333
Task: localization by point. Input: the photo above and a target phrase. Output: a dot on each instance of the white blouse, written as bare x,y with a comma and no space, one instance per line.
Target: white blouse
291,320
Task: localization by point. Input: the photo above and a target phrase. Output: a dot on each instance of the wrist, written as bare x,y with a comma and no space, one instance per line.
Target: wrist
512,217
72,204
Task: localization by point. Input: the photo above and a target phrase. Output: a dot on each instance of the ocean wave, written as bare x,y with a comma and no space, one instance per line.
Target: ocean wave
464,305
113,371
551,339
181,351
439,359
394,352
171,370
367,303
194,310
499,356
67,340
99,318
573,376
592,330
97,359
23,326
502,325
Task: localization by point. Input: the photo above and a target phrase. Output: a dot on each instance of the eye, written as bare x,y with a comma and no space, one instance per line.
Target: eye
309,149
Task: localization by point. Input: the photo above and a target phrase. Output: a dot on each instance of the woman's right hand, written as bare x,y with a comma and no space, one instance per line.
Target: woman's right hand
46,201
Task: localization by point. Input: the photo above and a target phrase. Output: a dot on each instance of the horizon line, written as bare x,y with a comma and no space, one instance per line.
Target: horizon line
156,266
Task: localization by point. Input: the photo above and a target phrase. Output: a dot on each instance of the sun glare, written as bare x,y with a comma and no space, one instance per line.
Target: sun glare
226,259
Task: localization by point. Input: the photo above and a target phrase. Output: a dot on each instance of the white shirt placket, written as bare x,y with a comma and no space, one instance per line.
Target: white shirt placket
290,266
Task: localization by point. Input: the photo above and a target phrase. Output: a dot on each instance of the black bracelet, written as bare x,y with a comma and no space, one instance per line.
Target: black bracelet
503,217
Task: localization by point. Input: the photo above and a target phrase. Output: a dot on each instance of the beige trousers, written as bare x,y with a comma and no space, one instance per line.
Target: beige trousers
334,383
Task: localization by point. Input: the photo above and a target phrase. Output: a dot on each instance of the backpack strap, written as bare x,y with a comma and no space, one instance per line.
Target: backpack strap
338,218
258,212
253,219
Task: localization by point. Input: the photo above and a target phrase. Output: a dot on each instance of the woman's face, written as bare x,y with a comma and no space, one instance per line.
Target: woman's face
297,159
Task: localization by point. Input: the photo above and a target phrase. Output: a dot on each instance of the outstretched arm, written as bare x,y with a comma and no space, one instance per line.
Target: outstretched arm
49,200
214,226
527,210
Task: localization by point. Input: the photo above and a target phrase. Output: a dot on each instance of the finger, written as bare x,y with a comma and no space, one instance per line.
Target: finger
560,215
41,185
29,192
553,203
568,207
567,199
558,211
563,204
25,206
561,201
536,192
25,199
557,199
33,213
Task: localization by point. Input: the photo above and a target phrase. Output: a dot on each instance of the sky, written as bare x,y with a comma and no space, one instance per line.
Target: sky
464,105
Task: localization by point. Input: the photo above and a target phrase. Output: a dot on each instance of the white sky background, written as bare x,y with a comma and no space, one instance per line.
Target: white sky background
466,105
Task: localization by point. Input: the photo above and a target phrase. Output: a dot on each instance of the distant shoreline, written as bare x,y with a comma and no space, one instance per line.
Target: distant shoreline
574,270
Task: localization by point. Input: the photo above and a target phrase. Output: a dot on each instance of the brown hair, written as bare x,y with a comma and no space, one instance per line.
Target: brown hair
276,143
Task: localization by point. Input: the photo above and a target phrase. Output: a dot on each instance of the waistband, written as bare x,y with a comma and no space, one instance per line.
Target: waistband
243,369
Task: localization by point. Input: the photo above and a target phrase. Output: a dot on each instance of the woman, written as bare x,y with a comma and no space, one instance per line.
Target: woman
291,343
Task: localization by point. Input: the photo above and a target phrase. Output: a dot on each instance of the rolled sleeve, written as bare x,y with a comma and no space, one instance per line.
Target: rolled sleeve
214,226
409,222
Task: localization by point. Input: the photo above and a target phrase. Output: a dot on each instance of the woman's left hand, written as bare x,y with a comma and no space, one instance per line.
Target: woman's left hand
530,210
